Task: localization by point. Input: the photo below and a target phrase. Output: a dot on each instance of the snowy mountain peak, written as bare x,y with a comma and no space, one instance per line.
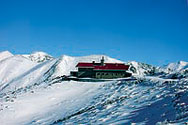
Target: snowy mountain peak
39,57
66,63
5,54
47,97
138,68
39,53
175,67
182,63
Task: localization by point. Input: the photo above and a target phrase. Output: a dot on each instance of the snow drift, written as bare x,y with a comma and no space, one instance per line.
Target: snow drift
29,95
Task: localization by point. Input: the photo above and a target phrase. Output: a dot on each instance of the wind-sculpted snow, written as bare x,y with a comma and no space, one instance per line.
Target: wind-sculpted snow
115,102
34,92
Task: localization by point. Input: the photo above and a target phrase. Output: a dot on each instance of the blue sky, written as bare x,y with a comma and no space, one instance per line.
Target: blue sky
150,31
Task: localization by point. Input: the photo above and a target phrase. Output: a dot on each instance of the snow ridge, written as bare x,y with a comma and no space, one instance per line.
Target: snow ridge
39,57
29,95
175,67
5,55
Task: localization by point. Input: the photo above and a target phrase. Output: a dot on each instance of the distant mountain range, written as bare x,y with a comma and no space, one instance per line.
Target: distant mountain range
23,70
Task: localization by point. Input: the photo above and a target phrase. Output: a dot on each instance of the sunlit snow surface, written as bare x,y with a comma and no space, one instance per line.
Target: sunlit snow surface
34,93
115,102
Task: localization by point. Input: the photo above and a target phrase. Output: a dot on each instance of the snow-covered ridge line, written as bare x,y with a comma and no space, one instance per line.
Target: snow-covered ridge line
175,67
18,71
32,92
136,68
5,55
38,57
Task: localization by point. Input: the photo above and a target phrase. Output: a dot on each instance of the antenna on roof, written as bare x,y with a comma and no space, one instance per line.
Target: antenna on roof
102,61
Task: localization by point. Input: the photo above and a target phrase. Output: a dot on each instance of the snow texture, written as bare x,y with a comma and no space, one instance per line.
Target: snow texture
39,57
5,54
32,92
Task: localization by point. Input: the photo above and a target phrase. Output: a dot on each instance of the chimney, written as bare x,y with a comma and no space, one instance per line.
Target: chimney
102,61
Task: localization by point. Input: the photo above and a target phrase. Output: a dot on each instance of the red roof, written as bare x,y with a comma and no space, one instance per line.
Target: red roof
107,66
85,65
112,66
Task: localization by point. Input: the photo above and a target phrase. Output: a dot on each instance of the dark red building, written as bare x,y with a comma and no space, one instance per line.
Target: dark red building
101,70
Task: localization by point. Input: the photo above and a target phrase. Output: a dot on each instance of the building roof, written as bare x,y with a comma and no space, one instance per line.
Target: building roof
85,65
106,66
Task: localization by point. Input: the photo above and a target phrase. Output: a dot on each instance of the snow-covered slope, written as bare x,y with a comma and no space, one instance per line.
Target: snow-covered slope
13,67
36,73
5,55
138,68
29,95
116,102
172,70
175,67
68,63
39,57
48,104
176,70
